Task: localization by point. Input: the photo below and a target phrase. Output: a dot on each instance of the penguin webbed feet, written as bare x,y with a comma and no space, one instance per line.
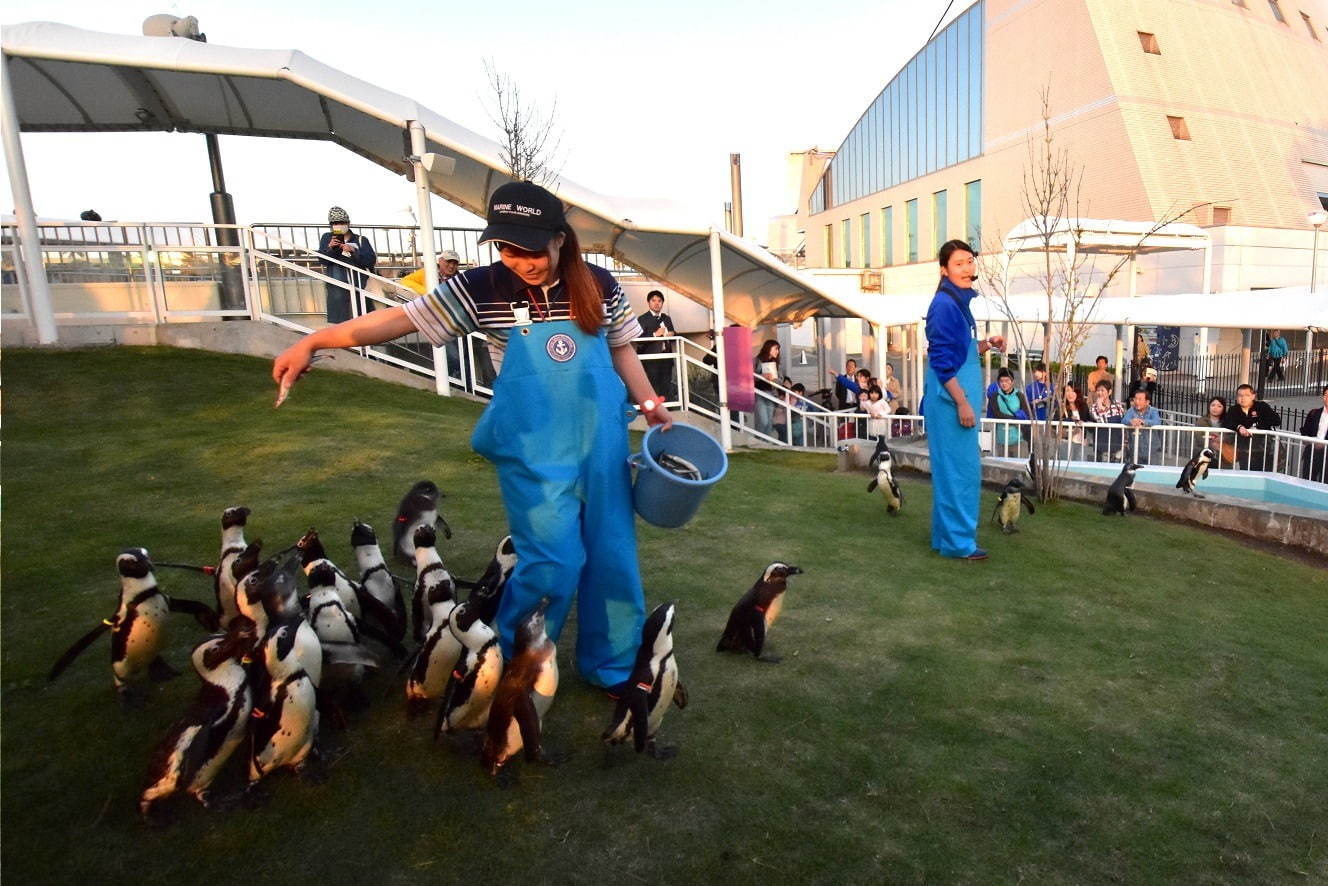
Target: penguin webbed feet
548,756
768,658
132,697
158,814
661,752
160,671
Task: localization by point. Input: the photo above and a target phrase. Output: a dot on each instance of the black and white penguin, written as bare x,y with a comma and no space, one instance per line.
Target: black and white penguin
312,553
523,696
233,521
474,679
438,654
487,593
199,744
1120,497
1007,508
345,658
429,571
138,627
376,580
289,668
884,463
1195,470
418,508
756,611
652,687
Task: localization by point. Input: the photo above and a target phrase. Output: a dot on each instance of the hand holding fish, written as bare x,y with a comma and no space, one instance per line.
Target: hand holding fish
289,367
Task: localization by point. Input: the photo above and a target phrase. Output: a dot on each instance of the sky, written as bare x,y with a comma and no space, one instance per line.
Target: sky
651,99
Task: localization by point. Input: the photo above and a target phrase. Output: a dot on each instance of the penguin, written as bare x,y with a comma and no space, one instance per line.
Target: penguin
1120,497
196,748
138,628
523,696
345,658
755,613
1007,512
437,655
487,593
429,571
375,578
233,521
289,665
1195,470
312,553
652,687
418,508
885,478
470,689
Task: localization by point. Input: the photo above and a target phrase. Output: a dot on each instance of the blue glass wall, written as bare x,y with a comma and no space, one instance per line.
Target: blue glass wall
928,117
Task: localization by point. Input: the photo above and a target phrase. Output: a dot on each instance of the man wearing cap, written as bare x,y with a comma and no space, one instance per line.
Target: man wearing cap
556,428
339,247
448,265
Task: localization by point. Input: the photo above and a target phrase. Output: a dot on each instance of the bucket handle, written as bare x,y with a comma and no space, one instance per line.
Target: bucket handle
636,460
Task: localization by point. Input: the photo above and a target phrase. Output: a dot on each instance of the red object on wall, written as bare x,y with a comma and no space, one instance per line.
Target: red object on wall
738,368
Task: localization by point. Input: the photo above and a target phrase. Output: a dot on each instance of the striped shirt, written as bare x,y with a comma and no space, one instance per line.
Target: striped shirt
481,300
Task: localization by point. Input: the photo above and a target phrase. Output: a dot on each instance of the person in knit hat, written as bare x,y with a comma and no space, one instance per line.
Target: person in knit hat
342,251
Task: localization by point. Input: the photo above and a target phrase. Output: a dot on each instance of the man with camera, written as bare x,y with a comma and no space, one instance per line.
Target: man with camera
340,247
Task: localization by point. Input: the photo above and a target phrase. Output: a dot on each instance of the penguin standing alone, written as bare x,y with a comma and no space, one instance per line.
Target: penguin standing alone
1120,497
199,744
138,627
233,521
756,611
418,508
524,695
1194,471
651,688
883,461
1007,511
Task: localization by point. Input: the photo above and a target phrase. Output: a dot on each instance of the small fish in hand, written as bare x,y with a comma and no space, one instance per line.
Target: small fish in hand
288,380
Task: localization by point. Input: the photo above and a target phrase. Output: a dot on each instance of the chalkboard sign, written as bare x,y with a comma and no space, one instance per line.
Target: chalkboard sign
1166,348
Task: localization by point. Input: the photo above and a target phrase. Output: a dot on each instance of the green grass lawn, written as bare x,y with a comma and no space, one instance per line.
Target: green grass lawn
1102,701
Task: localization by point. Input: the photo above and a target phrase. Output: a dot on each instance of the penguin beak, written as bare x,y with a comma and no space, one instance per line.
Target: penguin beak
794,570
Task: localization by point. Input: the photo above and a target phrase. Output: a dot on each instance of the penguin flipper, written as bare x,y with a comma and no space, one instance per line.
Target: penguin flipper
639,700
1026,503
871,487
205,615
79,645
384,622
447,530
1129,497
527,720
680,696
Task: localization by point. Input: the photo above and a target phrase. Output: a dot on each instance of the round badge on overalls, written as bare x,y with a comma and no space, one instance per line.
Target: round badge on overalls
561,347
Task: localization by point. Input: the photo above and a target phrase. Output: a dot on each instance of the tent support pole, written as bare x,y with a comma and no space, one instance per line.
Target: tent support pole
417,150
717,322
917,365
39,291
879,339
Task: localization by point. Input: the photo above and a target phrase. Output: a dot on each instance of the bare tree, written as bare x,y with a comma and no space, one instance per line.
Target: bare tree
1067,276
530,140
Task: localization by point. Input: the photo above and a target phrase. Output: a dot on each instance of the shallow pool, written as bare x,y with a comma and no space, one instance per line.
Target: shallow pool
1252,485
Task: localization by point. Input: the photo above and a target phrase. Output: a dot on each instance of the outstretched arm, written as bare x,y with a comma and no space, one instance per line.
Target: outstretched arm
372,328
629,369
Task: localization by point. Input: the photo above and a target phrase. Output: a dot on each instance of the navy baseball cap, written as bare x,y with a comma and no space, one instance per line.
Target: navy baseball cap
524,215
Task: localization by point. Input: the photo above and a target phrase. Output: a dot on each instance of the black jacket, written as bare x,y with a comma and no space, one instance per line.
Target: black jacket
648,326
1260,417
1311,426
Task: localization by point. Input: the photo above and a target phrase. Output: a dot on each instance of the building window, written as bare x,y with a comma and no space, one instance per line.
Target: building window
911,211
829,246
1323,200
1178,128
888,235
940,219
1149,43
1277,11
973,214
1309,26
846,239
1221,215
866,245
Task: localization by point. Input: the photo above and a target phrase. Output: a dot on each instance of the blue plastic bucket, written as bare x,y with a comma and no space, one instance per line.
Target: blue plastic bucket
659,495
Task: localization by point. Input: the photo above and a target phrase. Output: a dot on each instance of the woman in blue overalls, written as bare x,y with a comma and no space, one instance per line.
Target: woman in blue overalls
556,429
953,385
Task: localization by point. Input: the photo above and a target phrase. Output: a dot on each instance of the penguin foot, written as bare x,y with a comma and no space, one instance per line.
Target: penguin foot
160,672
661,752
312,771
553,756
506,778
132,698
770,659
159,814
253,797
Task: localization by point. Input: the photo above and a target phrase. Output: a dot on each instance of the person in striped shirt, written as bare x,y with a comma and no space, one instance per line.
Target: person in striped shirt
560,331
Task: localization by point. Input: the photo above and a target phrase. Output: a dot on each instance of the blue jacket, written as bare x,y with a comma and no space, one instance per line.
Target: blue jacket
362,256
950,330
1151,417
1277,347
1035,391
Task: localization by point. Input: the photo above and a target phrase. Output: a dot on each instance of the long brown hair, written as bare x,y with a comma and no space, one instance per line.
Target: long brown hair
583,290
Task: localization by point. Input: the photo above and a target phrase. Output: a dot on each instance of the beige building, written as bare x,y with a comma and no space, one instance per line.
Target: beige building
1163,105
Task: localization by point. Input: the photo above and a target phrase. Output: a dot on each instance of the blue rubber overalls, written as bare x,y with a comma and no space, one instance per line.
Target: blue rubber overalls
556,430
956,463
